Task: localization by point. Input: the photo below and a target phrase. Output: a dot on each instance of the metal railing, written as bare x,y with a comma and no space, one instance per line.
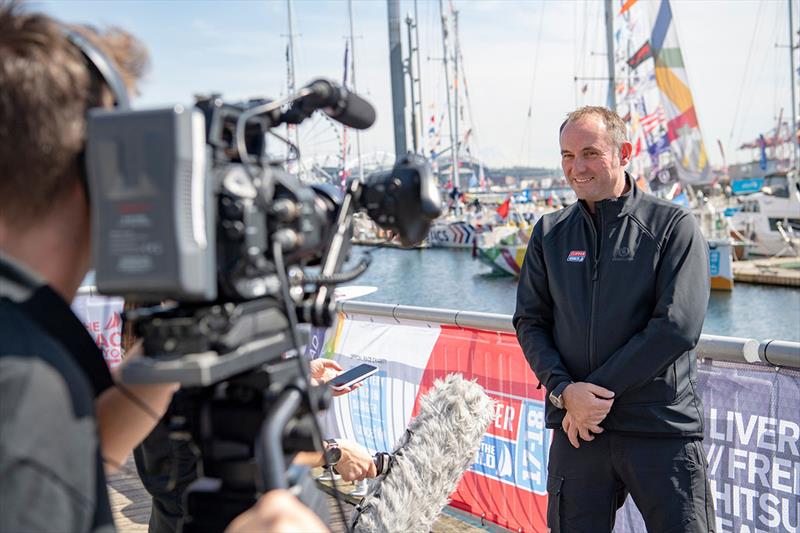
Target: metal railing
734,349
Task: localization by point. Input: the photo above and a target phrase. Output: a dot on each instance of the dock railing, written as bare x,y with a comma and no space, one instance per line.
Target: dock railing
777,353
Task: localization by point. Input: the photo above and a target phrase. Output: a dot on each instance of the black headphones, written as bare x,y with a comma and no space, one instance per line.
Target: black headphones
102,65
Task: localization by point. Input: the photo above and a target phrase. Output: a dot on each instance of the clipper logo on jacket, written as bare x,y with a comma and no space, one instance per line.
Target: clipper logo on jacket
576,256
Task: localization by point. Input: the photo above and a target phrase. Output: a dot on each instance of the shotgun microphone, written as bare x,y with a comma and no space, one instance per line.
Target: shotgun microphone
336,101
438,446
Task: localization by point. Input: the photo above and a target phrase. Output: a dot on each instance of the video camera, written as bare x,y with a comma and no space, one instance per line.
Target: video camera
187,209
192,220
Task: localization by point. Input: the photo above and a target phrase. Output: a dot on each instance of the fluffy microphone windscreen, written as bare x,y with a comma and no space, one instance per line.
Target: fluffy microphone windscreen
440,444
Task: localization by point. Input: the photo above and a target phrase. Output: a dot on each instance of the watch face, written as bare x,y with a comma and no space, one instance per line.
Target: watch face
332,455
556,400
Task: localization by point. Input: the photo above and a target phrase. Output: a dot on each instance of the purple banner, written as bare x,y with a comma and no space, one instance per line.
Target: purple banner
752,442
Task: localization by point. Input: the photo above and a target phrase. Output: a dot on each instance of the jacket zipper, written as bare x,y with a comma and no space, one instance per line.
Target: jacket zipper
595,278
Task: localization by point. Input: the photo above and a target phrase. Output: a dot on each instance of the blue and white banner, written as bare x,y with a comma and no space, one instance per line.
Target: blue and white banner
752,442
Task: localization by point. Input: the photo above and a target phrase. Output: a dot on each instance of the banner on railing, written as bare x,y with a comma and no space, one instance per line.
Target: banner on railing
752,423
101,317
752,444
507,482
752,436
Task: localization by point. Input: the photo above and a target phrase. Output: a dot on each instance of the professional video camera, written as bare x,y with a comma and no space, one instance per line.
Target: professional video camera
187,209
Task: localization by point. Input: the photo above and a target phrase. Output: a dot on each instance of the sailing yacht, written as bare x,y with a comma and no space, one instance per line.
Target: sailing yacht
770,219
670,156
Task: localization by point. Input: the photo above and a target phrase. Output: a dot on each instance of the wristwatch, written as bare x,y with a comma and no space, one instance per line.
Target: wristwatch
332,454
555,395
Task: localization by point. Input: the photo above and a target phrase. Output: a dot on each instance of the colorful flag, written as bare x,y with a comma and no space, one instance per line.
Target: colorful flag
626,6
504,208
652,121
660,146
641,55
686,142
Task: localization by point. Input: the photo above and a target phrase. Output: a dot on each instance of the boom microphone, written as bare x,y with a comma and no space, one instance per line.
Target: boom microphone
337,102
439,445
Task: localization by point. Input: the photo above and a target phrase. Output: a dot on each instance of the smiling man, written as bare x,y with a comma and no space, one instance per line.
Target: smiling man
610,305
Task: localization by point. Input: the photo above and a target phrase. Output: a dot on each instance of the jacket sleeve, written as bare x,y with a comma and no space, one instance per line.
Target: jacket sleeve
682,294
533,318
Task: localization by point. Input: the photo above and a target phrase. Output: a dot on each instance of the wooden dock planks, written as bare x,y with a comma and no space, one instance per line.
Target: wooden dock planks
782,271
130,504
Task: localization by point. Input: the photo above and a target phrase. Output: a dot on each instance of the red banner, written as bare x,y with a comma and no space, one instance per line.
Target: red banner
507,483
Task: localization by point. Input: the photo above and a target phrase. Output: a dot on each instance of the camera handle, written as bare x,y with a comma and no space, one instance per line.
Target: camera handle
211,504
269,454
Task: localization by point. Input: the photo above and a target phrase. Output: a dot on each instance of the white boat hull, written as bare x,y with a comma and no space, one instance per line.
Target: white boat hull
454,235
507,259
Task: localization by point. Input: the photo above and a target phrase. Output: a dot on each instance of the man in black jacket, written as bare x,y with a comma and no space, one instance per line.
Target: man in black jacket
610,305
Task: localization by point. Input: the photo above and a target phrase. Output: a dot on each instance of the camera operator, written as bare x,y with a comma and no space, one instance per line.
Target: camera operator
59,409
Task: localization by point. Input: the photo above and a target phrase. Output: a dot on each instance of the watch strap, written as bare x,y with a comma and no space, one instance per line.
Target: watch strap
555,394
332,454
559,389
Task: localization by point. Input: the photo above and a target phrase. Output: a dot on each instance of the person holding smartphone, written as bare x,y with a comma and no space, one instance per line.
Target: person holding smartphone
351,460
167,467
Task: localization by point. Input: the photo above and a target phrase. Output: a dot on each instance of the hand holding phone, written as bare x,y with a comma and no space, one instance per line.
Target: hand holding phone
351,377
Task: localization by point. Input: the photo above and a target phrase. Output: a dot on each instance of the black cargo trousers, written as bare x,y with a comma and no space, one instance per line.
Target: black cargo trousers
666,477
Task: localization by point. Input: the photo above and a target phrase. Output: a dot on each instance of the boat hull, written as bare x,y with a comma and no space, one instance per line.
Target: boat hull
507,260
720,259
454,235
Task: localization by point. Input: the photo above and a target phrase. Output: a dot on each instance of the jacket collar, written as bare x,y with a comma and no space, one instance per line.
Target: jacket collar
49,311
617,207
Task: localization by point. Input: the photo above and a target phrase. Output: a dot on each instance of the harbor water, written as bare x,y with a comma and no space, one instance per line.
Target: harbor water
452,279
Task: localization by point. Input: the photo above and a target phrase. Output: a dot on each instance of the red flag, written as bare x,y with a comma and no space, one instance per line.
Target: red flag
504,208
640,55
626,6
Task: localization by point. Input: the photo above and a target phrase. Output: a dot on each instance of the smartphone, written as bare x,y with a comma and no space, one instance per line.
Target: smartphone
352,376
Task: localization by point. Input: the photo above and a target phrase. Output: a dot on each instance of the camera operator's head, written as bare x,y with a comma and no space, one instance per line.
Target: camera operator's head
46,87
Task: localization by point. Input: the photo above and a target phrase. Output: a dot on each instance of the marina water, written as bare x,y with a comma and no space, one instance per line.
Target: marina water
452,279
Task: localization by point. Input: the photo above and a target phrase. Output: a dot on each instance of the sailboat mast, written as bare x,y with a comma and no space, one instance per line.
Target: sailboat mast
290,66
455,101
411,81
447,89
419,83
353,82
397,77
612,98
792,48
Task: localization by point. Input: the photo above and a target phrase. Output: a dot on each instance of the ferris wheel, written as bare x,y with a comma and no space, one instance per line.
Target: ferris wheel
319,141
322,148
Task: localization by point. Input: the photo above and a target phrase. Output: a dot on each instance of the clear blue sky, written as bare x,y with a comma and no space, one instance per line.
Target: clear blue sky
739,78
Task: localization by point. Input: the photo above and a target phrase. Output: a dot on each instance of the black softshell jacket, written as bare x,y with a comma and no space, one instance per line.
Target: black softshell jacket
620,305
